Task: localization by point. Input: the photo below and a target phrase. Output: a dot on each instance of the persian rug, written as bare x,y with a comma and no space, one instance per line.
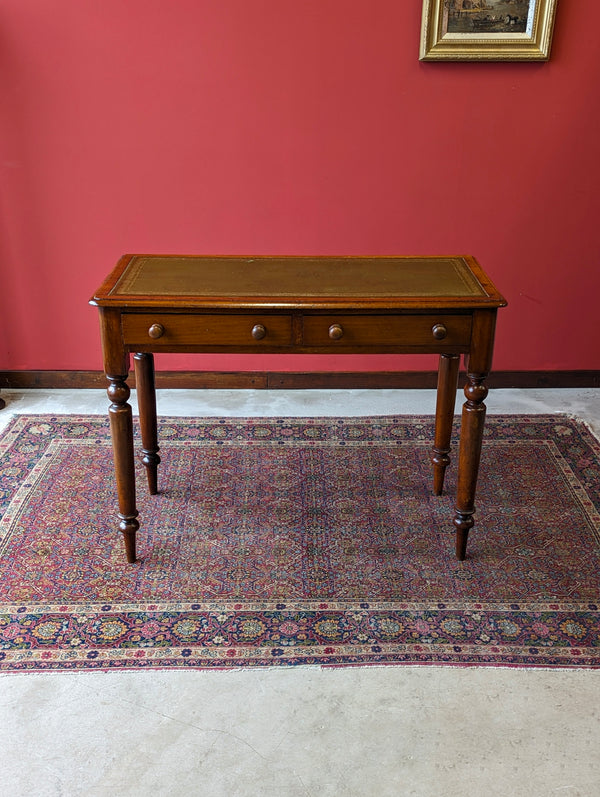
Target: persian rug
298,541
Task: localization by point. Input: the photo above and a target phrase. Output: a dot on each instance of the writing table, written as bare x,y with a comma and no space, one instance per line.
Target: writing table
285,305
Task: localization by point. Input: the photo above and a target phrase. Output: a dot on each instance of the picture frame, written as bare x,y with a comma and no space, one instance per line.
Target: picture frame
487,30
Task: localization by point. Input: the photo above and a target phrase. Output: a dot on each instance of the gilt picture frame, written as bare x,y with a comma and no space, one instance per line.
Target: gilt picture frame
487,30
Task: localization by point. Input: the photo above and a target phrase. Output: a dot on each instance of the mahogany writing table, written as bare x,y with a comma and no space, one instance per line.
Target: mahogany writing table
285,305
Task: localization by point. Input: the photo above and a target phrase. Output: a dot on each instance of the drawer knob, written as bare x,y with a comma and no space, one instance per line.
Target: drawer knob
258,331
439,331
156,331
336,332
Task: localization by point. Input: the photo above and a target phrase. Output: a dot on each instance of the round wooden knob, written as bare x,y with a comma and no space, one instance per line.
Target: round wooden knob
258,331
439,331
335,332
156,331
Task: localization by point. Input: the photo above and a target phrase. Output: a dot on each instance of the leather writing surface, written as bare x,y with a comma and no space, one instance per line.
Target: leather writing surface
322,277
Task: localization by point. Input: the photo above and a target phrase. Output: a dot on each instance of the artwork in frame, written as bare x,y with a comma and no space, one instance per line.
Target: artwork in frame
488,30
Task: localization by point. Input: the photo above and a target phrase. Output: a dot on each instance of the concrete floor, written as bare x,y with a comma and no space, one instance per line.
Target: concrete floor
354,732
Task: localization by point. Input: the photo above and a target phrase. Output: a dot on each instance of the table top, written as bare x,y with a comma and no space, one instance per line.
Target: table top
297,282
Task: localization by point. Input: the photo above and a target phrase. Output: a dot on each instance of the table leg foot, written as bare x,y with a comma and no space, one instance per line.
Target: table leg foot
464,523
129,526
471,437
121,427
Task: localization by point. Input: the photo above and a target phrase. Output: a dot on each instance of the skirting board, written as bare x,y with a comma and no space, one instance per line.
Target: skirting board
297,381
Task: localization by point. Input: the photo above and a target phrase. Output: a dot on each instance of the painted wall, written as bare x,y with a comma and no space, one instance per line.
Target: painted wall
274,126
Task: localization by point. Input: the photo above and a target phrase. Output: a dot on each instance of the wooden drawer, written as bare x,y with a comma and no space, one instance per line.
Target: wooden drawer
385,330
164,330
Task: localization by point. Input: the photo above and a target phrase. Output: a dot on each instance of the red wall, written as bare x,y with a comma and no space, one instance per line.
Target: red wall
278,126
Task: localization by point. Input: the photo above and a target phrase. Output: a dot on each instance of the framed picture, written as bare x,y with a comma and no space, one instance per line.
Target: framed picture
487,30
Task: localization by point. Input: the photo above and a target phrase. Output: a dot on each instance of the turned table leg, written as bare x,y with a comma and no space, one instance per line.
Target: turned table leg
471,436
146,394
121,427
444,415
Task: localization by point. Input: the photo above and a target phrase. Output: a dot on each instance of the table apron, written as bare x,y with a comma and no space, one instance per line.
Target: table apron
288,333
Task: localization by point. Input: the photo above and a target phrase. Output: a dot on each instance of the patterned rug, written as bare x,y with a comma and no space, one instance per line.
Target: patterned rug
298,541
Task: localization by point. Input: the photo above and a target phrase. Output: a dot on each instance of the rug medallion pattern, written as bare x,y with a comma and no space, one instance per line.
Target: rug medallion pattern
298,541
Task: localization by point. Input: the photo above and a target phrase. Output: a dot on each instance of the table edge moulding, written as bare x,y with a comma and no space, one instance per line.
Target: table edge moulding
443,305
